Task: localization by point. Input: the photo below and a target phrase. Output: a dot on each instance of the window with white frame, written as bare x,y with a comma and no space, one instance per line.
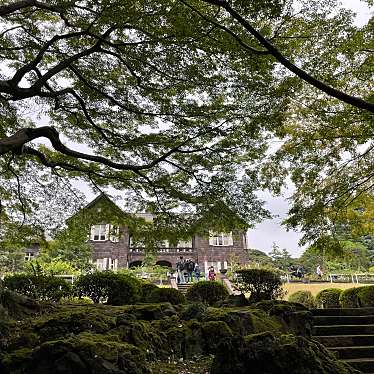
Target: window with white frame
114,234
99,232
113,263
100,264
220,239
29,256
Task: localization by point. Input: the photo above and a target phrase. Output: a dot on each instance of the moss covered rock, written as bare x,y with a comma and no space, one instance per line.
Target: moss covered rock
18,306
124,339
83,354
268,354
294,317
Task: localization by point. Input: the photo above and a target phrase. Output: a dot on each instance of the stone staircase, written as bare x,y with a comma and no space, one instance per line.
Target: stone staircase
349,333
183,287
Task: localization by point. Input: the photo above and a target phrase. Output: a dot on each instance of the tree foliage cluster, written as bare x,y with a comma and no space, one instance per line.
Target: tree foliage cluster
175,103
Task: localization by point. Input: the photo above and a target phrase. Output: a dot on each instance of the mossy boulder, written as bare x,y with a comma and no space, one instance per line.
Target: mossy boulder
243,321
293,317
214,333
193,311
265,353
16,306
150,312
83,354
65,323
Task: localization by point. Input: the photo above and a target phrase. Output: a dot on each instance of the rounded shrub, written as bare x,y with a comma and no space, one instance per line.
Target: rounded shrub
328,298
207,292
161,295
349,298
146,288
366,296
303,297
38,287
262,284
114,288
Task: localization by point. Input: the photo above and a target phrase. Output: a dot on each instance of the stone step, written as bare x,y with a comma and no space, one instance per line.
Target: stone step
366,365
345,340
343,330
343,312
183,287
343,320
353,352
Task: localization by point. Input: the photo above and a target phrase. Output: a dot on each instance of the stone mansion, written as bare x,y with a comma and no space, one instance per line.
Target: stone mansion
119,251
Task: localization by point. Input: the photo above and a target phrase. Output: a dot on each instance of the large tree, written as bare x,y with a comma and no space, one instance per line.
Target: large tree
144,96
174,101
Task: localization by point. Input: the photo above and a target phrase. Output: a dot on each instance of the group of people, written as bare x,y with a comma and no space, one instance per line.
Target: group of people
298,271
188,271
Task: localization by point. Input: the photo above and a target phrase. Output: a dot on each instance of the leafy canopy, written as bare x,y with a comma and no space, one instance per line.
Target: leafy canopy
174,102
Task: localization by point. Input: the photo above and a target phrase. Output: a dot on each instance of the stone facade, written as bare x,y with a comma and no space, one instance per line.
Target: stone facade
112,255
116,251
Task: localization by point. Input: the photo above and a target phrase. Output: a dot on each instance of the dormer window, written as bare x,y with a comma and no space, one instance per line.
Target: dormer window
99,232
220,239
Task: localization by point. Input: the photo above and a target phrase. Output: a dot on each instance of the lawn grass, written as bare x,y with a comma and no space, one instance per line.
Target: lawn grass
314,288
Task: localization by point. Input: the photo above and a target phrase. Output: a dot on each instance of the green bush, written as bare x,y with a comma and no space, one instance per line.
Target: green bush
328,298
349,298
39,287
146,289
262,284
161,295
114,288
303,297
207,292
366,296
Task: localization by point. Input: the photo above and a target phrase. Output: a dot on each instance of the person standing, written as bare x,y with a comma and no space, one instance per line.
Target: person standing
197,271
319,271
212,274
190,268
180,270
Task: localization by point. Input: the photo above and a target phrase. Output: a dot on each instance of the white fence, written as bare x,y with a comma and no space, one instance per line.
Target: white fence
363,278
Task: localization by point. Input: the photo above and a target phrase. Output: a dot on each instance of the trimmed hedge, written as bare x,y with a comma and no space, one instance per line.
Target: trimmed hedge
262,284
303,297
366,296
329,298
38,287
207,292
349,298
114,288
161,295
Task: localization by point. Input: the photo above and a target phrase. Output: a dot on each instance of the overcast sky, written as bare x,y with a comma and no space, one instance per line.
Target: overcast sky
269,231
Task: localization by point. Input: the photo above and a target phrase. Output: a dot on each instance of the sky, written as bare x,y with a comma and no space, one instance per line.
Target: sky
271,231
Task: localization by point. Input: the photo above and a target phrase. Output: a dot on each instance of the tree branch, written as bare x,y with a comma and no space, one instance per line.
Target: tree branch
5,10
342,96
